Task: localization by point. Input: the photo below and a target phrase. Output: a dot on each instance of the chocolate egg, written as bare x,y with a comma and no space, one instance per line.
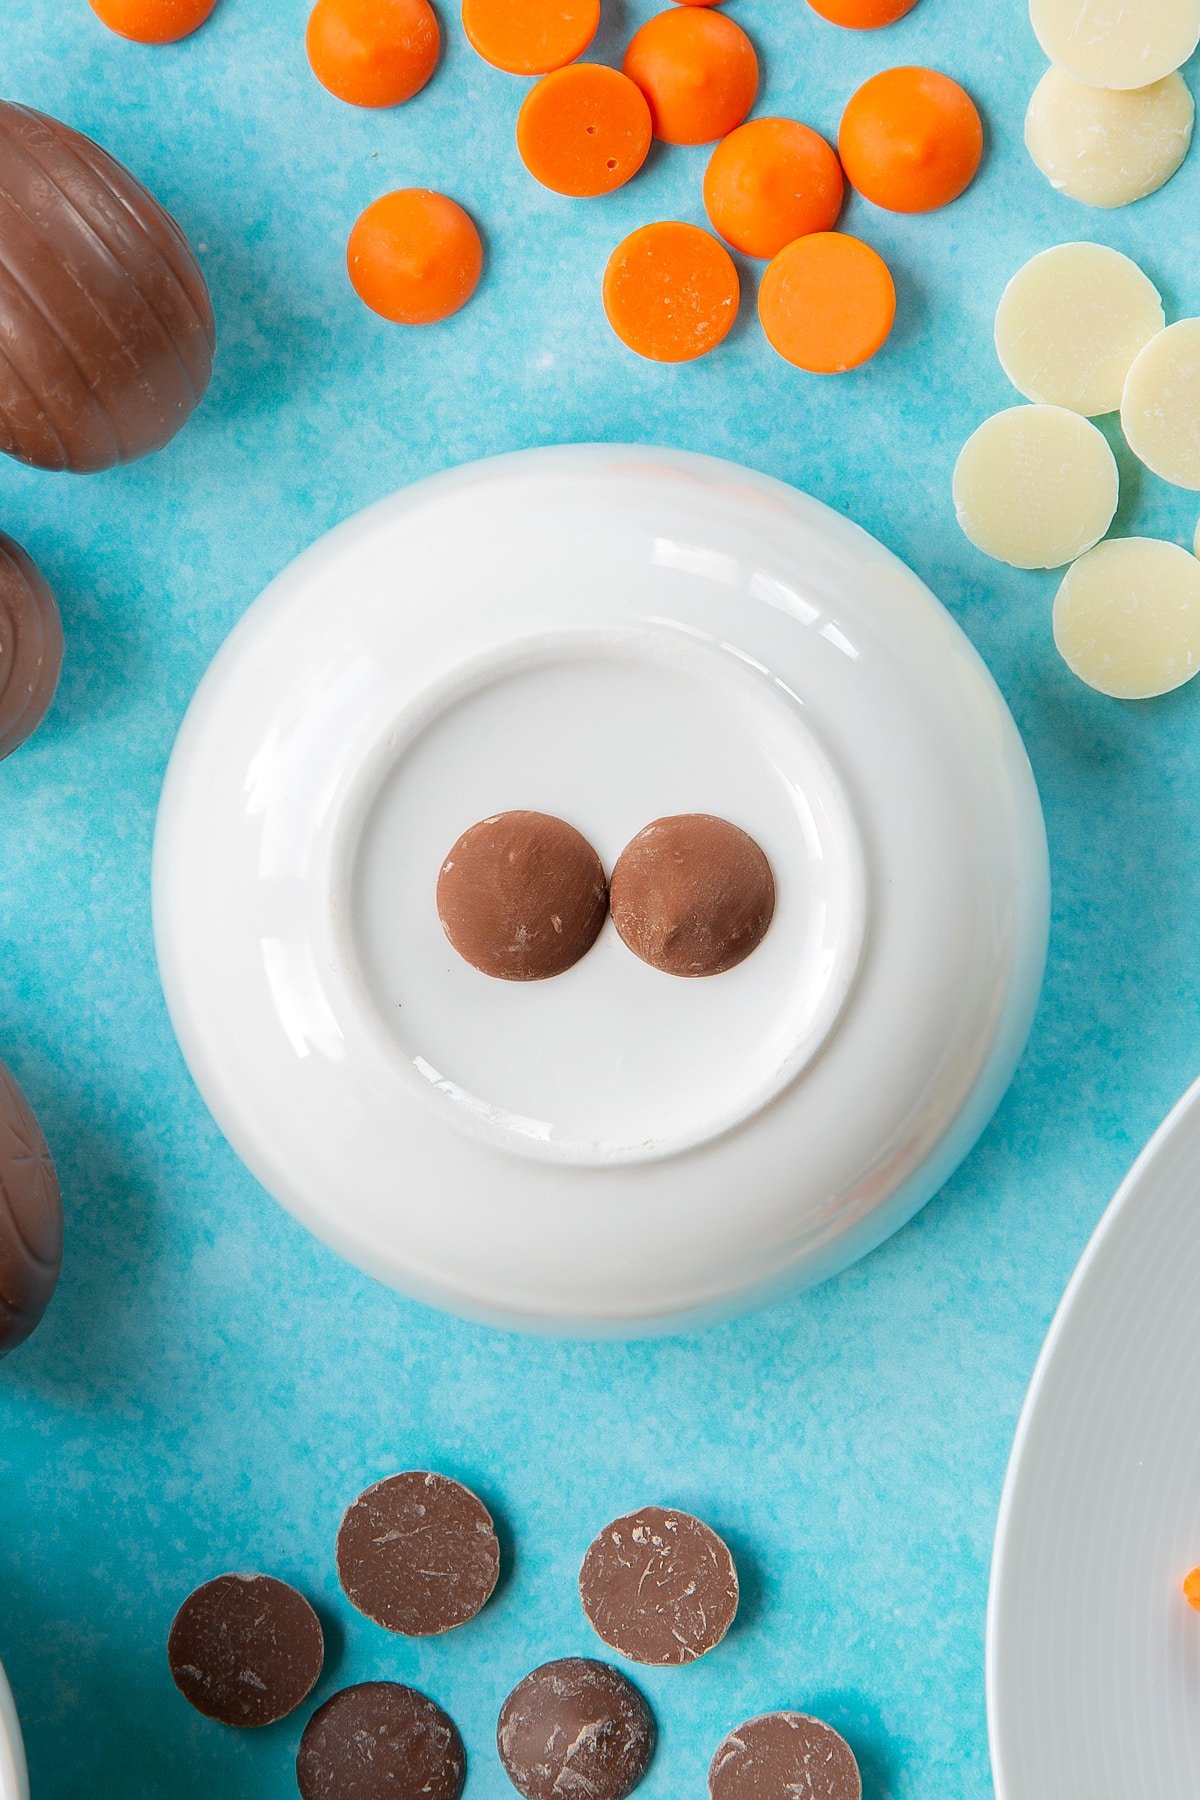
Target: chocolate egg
30,1218
106,328
31,646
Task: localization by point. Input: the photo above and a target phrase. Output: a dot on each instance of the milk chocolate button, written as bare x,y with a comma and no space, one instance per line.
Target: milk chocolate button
31,646
692,895
575,1727
660,1587
106,330
380,1741
418,1553
782,1755
246,1649
31,1226
522,896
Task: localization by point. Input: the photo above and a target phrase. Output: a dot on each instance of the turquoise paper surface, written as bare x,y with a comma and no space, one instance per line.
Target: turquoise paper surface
212,1386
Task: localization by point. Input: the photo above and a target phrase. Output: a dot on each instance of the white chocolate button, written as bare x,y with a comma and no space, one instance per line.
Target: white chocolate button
1160,408
1070,323
1035,486
1117,43
1127,618
1104,147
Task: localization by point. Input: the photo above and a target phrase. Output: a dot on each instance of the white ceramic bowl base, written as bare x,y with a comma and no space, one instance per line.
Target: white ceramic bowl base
1093,1653
14,1781
609,635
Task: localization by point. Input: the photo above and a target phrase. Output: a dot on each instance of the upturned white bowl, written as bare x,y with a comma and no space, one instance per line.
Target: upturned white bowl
610,635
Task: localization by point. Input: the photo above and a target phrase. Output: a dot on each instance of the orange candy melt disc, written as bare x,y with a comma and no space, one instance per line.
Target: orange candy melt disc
584,130
671,291
911,140
1191,1589
414,256
770,181
697,69
152,21
862,15
827,303
530,37
373,52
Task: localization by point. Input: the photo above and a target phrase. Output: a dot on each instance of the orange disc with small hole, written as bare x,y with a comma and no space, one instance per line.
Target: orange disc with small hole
671,291
862,15
152,21
697,69
530,37
584,130
770,181
373,52
911,140
414,257
827,303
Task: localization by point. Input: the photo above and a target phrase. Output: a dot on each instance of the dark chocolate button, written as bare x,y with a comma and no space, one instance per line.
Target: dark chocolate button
380,1741
575,1727
692,895
31,646
418,1553
246,1649
660,1587
31,1231
106,330
522,896
782,1755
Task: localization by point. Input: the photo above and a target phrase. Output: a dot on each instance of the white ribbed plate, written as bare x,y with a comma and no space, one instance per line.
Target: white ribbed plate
1093,1655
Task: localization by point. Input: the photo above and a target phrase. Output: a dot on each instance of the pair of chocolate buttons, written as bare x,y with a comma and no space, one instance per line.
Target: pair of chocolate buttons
522,896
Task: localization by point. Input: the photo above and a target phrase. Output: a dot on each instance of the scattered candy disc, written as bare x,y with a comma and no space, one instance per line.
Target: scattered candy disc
380,1741
1035,486
660,1587
522,896
1127,45
1160,408
770,181
584,130
692,895
530,37
373,52
575,1727
1070,324
1191,1589
911,140
862,15
781,1754
671,291
1107,147
414,257
246,1649
697,69
1127,618
418,1554
827,303
152,21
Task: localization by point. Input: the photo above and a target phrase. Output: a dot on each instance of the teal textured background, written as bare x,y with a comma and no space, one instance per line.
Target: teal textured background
212,1386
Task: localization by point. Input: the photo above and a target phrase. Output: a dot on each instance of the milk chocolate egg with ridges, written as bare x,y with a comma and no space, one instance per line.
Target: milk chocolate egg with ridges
106,328
30,1218
31,646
